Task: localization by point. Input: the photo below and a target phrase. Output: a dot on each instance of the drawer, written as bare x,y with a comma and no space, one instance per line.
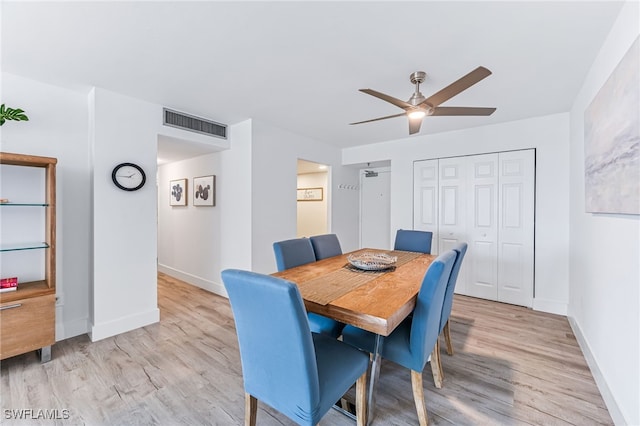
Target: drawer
27,325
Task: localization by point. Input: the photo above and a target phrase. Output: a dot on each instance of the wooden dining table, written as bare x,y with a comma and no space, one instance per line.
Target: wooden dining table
376,301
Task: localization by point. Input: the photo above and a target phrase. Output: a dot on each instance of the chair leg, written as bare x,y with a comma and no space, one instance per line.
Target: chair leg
250,410
418,397
447,338
436,366
344,404
361,400
440,362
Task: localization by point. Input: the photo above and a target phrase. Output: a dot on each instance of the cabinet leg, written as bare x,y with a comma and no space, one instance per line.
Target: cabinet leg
45,354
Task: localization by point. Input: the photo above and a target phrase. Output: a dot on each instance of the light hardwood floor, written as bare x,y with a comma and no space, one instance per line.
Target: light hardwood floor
512,366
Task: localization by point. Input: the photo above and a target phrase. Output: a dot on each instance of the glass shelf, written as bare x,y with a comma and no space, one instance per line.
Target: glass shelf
23,246
24,204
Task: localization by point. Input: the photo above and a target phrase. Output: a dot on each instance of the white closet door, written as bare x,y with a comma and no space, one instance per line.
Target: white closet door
516,222
452,218
480,263
425,199
488,201
452,224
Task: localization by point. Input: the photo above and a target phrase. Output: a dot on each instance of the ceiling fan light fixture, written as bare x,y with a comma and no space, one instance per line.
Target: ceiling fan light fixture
416,114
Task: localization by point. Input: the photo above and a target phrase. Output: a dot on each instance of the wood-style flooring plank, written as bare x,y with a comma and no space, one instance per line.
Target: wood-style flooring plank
512,366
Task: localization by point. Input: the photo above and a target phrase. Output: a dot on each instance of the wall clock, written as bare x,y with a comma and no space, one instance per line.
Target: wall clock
128,176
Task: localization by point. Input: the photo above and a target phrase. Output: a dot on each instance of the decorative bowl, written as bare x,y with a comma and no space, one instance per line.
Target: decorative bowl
369,261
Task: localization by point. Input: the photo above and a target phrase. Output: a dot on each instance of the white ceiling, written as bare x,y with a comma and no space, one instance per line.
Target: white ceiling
299,65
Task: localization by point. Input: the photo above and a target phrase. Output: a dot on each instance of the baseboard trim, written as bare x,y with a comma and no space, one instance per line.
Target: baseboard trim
204,284
605,392
122,325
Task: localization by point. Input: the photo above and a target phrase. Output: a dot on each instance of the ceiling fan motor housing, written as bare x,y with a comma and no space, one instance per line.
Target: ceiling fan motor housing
418,77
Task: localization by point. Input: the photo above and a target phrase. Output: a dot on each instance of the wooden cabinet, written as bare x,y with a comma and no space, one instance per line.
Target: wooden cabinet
28,252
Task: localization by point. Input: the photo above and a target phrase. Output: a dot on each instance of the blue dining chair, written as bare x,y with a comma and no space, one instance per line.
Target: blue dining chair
460,249
411,343
296,252
416,241
326,245
284,365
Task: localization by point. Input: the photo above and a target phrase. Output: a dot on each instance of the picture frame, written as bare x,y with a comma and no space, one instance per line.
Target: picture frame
178,192
310,194
204,191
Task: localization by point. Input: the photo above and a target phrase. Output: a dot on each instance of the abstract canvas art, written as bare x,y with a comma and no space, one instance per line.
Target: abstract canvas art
612,141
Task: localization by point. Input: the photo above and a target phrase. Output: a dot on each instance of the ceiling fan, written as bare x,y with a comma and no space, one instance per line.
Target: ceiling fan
417,107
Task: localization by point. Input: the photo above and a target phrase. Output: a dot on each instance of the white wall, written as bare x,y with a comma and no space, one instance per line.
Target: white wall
235,200
345,206
312,215
604,307
189,240
57,127
124,223
275,154
549,135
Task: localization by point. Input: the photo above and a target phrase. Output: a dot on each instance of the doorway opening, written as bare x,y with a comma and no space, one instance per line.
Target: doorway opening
312,198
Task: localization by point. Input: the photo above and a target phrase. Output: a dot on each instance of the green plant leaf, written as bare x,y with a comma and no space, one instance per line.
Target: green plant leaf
16,114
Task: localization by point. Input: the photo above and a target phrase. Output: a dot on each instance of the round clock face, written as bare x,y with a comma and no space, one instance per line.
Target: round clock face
128,176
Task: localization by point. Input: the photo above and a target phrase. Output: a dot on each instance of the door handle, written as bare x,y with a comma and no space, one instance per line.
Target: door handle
17,305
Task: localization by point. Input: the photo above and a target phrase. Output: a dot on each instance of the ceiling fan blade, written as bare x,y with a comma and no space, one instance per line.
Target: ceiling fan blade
414,125
381,118
397,102
462,111
457,86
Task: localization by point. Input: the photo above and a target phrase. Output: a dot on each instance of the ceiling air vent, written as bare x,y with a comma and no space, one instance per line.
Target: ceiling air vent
194,124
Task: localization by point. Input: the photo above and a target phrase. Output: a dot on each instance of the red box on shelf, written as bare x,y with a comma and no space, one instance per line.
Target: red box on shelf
8,282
